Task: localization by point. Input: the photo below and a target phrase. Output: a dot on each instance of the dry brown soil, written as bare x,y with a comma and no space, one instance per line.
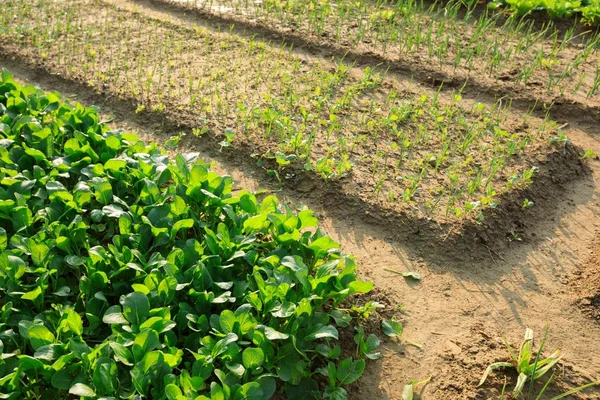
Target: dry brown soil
474,290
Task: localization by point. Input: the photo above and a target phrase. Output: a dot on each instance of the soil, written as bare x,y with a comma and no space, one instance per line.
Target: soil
521,268
588,283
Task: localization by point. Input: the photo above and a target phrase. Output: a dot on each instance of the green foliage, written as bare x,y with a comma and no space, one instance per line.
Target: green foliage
124,274
589,9
392,328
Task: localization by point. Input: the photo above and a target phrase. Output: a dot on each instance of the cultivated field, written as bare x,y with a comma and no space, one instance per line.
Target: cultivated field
450,147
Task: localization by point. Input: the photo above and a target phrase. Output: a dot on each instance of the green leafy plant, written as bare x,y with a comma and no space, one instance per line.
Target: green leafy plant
348,371
531,366
125,274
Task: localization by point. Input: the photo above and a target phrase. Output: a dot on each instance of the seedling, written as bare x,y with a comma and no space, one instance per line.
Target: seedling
527,203
529,367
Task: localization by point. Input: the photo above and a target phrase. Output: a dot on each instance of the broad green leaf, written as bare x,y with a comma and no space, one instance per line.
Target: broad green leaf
125,224
71,321
337,393
349,371
14,266
39,336
166,289
144,342
181,224
249,391
300,270
115,165
236,369
322,246
136,308
272,334
173,391
113,211
49,352
114,316
27,363
39,251
307,219
105,376
320,331
83,390
227,319
286,310
216,392
360,286
269,205
33,294
253,358
122,353
104,193
305,389
61,379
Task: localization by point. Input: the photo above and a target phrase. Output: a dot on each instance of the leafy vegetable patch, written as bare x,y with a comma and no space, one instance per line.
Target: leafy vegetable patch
126,275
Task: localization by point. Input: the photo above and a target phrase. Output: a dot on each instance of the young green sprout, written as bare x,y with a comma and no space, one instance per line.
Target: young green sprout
531,366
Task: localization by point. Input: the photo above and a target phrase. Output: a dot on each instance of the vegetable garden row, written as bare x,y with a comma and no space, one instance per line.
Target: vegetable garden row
408,148
124,273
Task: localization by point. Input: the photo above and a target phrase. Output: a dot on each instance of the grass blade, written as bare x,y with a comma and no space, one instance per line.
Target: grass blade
575,390
535,364
539,396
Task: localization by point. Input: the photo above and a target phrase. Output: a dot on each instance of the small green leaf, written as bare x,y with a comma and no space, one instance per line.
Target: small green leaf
360,286
3,239
391,328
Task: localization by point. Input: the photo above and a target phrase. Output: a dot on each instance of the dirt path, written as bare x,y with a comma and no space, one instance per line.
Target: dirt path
462,307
